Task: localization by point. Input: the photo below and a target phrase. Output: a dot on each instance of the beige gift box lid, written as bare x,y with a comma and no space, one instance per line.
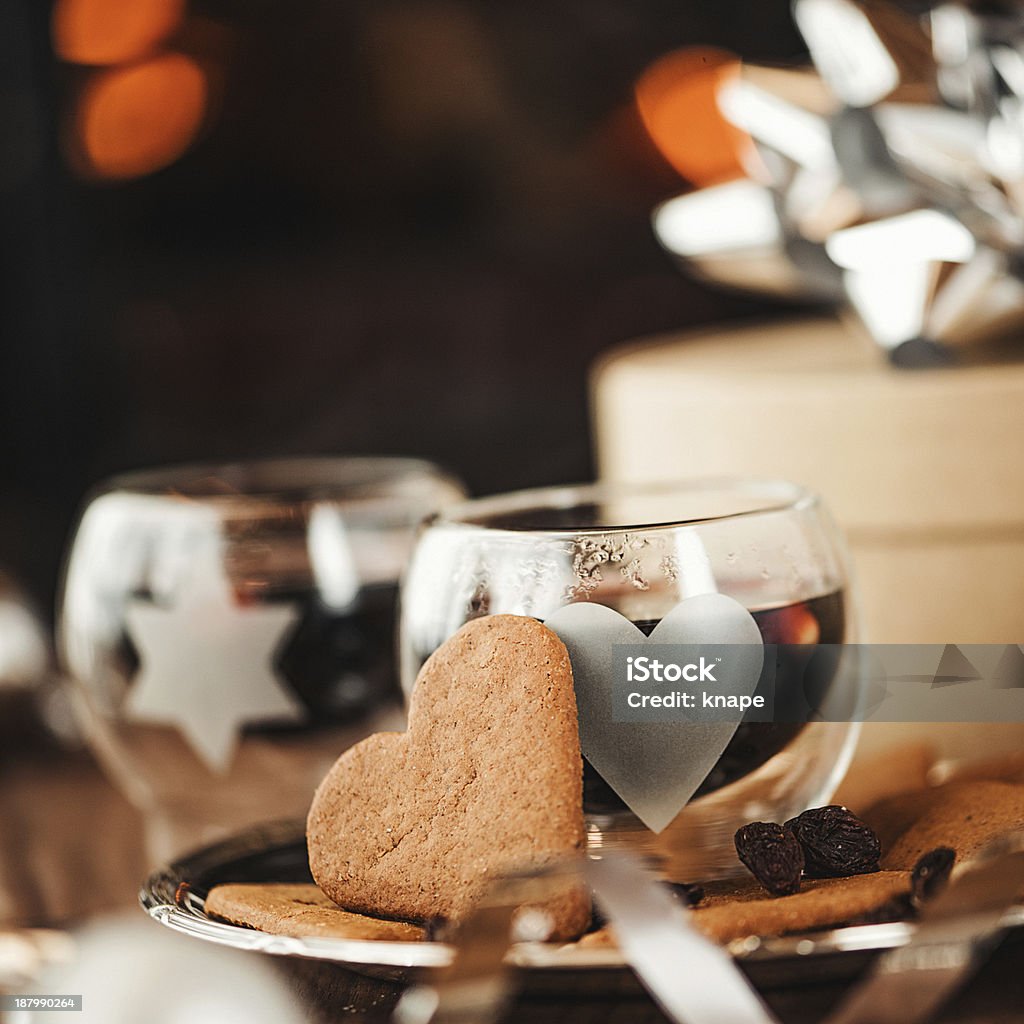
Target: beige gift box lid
923,470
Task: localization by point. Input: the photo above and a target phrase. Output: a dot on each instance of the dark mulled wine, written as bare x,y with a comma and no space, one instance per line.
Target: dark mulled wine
818,620
342,666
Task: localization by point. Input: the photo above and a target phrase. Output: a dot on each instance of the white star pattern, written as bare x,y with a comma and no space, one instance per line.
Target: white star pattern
207,664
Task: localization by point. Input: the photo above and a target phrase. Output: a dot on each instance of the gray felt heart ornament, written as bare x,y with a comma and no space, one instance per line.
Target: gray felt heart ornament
655,767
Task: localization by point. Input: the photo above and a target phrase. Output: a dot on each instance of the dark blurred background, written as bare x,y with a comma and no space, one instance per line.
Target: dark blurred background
245,227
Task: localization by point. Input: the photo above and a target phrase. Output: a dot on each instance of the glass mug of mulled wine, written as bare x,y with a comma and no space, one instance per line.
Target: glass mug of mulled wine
642,550
227,630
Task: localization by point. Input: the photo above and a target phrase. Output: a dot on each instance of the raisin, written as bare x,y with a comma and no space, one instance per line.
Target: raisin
836,843
688,893
931,873
773,856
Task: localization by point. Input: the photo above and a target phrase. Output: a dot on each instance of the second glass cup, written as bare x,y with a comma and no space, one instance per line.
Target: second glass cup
641,550
228,630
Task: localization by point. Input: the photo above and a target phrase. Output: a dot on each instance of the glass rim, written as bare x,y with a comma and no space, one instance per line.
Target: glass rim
777,495
268,479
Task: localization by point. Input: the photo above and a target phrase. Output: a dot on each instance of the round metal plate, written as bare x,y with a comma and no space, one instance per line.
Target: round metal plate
175,896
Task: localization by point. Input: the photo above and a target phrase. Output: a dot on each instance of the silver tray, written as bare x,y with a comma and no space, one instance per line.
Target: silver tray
175,896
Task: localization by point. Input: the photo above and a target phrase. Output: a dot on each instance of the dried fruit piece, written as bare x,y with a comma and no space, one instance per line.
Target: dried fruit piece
835,842
773,856
689,893
931,872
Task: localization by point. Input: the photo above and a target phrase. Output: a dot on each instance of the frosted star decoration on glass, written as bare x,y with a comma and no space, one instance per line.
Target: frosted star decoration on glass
207,663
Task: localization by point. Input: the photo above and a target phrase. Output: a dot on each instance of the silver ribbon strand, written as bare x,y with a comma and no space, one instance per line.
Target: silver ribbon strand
692,979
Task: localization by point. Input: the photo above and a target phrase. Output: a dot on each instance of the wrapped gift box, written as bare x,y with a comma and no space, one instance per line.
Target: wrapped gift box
923,470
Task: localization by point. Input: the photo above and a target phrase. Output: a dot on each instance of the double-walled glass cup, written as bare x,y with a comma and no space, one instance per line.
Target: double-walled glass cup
227,630
641,550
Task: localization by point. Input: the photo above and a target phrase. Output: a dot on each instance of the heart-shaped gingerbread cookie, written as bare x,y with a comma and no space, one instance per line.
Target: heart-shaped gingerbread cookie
488,778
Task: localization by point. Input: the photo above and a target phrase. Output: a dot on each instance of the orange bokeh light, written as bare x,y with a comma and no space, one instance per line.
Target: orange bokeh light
112,31
132,121
677,100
